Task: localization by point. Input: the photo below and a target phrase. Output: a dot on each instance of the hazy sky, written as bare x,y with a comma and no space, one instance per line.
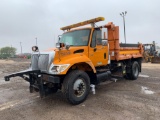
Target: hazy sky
24,20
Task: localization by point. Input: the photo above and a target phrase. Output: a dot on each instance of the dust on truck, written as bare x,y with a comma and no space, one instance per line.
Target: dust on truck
83,56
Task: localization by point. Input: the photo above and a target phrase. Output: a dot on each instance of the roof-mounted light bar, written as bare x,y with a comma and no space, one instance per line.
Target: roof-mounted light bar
83,23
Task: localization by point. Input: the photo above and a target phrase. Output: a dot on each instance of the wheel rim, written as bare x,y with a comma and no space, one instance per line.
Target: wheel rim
79,87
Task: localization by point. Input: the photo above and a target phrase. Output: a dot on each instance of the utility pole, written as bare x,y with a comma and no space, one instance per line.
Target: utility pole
123,14
36,41
11,51
21,47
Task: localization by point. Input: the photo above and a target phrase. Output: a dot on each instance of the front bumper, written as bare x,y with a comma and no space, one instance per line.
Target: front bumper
21,74
28,72
37,80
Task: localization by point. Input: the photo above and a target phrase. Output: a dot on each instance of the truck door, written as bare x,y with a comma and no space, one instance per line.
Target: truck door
98,53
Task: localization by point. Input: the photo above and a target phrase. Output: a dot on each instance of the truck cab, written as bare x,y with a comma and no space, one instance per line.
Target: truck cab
84,46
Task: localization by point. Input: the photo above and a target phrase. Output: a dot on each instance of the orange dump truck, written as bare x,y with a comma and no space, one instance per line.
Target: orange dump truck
83,57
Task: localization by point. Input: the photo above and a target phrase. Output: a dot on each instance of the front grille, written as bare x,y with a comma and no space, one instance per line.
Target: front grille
43,62
40,62
34,62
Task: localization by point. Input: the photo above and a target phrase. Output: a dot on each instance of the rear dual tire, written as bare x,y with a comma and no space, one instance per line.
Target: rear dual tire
133,75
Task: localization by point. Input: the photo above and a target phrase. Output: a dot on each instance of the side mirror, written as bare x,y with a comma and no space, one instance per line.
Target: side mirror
104,42
67,47
58,45
59,37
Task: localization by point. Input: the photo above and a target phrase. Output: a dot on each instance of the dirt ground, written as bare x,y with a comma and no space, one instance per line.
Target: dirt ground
121,100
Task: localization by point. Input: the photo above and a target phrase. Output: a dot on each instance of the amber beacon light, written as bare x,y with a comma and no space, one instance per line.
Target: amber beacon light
83,23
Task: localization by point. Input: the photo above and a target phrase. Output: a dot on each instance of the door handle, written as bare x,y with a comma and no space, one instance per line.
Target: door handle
94,49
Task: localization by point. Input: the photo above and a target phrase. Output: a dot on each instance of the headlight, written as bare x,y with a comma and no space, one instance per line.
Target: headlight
59,68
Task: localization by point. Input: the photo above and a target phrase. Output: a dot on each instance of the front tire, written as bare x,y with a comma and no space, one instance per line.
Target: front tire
76,86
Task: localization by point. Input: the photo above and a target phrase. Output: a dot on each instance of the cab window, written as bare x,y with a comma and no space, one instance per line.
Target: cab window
76,38
96,38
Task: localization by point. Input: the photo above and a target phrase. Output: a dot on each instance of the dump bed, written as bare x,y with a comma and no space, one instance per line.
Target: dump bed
126,51
121,51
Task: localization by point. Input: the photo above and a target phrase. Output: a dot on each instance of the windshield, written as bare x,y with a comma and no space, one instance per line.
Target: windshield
76,38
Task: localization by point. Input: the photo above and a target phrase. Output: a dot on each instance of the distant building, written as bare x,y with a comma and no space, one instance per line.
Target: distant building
24,55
